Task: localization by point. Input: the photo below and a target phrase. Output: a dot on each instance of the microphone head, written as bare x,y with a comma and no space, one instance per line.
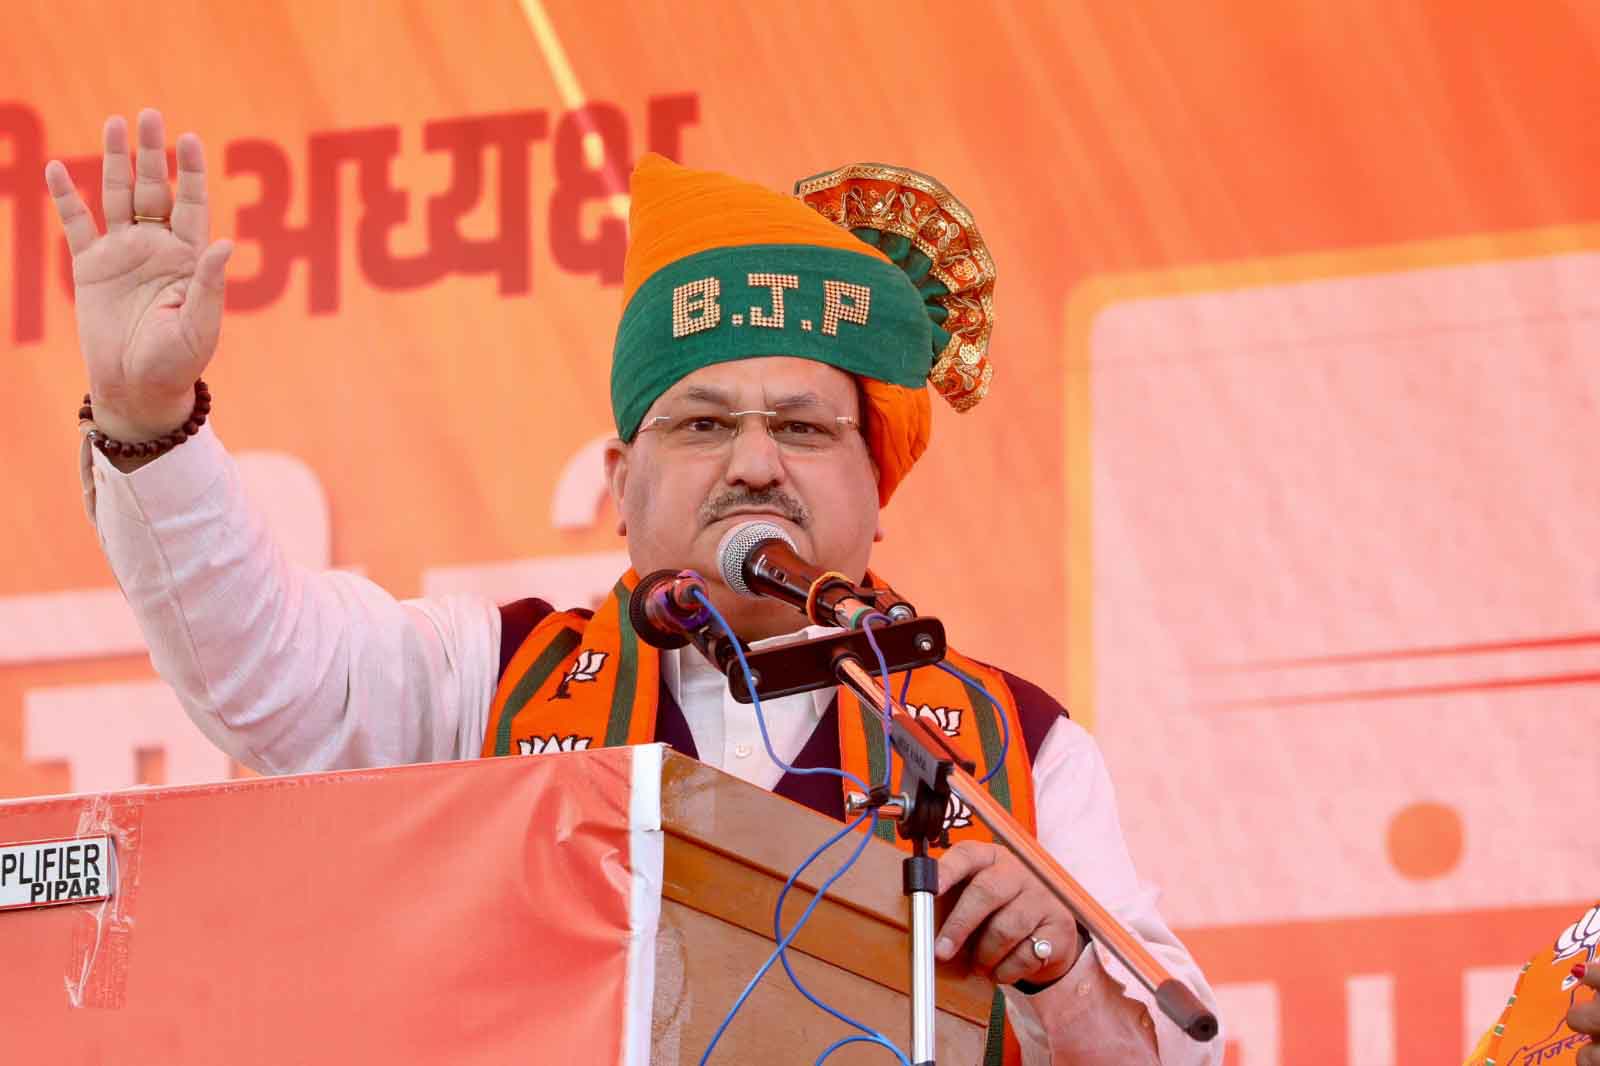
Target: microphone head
737,545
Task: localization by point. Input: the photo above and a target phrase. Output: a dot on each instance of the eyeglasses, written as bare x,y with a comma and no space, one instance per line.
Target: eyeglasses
798,428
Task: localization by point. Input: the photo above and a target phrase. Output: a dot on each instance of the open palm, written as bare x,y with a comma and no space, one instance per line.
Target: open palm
149,296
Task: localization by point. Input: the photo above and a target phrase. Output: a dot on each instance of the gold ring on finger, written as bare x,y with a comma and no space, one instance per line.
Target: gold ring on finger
1041,948
153,220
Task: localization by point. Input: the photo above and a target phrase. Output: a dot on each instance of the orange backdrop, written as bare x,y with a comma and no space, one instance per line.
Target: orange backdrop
1290,295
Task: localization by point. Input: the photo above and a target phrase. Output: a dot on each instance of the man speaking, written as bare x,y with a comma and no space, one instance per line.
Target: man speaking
772,362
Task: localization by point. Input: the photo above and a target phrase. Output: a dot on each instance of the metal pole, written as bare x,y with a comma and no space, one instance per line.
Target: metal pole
921,873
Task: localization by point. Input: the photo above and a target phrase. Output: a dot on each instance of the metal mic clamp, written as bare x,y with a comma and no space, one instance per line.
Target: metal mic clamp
888,602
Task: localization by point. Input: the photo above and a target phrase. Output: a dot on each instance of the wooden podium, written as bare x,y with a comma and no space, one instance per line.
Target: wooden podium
472,912
729,849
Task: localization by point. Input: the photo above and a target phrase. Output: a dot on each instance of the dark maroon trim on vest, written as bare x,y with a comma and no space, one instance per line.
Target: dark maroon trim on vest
517,620
821,792
672,728
1037,709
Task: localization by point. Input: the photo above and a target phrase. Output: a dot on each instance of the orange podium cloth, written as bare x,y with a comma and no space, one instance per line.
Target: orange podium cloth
501,910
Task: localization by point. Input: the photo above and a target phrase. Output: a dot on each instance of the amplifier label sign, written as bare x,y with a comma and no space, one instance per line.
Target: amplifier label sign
46,872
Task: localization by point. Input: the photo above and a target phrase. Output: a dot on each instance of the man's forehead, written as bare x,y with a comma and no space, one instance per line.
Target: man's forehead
772,379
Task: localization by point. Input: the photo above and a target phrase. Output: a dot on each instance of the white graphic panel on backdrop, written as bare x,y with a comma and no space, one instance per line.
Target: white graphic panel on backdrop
1484,991
1345,548
99,731
1250,1011
1369,1021
581,489
580,579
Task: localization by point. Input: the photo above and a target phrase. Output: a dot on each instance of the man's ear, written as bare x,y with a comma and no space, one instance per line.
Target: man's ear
617,479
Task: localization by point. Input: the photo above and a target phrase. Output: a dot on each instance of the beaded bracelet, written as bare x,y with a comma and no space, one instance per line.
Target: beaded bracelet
117,449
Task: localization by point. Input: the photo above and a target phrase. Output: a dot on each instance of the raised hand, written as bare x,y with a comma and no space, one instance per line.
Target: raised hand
149,292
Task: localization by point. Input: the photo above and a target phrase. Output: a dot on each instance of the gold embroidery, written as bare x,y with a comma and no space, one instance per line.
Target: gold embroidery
835,308
695,307
920,209
777,283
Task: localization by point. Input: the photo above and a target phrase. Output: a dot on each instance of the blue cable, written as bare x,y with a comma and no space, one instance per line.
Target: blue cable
777,917
999,712
837,1044
871,1036
779,952
761,717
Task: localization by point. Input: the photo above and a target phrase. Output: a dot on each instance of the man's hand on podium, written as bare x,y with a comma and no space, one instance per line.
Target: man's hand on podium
1015,919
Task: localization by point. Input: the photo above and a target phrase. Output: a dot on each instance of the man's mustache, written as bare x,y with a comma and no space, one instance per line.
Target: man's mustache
769,500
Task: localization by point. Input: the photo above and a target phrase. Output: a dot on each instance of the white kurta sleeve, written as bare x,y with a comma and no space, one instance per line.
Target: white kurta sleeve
1098,1013
285,669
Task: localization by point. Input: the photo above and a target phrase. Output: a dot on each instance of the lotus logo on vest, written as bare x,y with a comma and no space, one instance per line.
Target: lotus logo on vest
586,667
948,719
551,744
957,815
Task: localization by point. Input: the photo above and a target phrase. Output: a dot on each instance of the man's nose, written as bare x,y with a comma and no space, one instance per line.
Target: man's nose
754,458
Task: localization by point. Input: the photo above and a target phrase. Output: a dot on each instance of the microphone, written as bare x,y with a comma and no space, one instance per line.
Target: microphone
759,559
663,609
